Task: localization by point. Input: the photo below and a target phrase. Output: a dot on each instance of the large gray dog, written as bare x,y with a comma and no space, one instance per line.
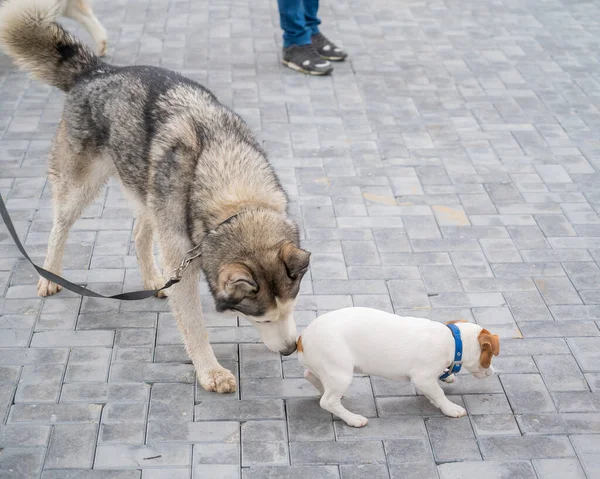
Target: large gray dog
190,166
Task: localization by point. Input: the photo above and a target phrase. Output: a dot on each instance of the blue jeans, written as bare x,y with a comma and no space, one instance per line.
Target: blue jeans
298,20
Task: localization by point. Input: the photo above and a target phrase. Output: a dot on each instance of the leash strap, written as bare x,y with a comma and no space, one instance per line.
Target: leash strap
458,347
131,296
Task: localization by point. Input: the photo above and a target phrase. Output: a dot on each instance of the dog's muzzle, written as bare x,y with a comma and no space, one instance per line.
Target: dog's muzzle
289,349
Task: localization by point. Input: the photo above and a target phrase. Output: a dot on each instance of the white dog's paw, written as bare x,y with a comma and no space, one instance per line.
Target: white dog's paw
356,421
454,410
47,288
220,380
450,379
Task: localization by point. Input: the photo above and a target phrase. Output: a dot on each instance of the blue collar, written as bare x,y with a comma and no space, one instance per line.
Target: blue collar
454,368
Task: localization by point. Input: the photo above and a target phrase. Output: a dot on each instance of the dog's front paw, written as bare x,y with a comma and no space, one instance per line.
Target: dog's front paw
102,48
156,283
47,288
219,380
450,379
454,410
356,421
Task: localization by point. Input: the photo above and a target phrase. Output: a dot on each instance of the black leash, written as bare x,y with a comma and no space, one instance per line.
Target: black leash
132,296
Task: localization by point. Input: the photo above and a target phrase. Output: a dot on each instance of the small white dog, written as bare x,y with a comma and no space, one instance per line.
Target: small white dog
368,341
81,12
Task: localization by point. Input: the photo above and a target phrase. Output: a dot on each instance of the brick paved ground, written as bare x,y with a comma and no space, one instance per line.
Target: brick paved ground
448,170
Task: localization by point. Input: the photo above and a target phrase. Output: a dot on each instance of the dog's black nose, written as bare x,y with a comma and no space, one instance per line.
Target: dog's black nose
288,350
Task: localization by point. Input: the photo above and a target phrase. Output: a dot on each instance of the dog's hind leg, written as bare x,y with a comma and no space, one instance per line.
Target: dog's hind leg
314,380
143,233
335,386
76,180
81,12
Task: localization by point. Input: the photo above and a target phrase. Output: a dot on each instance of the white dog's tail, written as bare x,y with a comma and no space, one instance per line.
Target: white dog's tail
31,36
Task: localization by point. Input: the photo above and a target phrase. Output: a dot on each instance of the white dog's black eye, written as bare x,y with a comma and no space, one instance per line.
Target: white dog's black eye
267,321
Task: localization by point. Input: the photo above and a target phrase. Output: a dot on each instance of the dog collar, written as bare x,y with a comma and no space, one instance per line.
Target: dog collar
455,366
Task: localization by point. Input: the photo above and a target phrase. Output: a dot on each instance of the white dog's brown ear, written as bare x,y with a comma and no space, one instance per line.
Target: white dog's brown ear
296,260
490,345
454,321
236,281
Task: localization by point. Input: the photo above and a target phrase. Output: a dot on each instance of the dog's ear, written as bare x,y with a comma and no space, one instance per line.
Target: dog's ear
295,259
454,321
490,345
236,281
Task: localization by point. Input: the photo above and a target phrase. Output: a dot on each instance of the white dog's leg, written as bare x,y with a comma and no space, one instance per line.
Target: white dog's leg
81,12
314,380
143,234
432,391
185,303
335,387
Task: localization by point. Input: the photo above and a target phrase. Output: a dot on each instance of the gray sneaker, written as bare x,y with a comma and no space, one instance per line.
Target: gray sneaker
327,49
305,59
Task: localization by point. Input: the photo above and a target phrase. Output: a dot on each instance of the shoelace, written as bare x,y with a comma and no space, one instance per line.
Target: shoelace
309,52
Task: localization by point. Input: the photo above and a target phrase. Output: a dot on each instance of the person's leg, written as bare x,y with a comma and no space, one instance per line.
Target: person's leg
291,18
311,8
298,51
325,47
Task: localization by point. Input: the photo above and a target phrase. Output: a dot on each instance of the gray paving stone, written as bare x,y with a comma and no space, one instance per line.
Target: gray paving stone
307,421
192,432
71,446
557,329
49,339
588,452
489,469
408,294
124,456
214,453
418,470
92,474
19,435
440,279
577,401
527,393
400,406
337,452
495,425
103,392
561,373
452,439
293,472
239,410
556,468
382,429
21,462
375,471
587,352
54,413
171,473
487,404
525,447
402,451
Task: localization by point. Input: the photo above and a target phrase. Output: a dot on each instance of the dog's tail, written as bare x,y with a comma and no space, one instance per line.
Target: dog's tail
31,36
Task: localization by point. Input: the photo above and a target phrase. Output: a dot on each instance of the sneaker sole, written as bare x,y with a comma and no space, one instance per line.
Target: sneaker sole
293,66
333,59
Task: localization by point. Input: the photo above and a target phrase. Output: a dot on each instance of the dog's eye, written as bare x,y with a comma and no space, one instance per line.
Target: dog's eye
267,321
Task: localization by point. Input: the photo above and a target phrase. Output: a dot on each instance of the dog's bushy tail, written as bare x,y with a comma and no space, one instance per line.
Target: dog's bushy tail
30,35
